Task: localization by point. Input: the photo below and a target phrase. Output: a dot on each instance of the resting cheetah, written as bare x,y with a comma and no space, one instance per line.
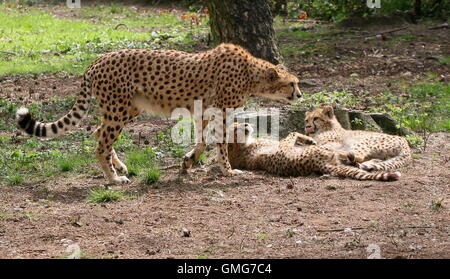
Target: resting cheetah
287,158
128,82
373,151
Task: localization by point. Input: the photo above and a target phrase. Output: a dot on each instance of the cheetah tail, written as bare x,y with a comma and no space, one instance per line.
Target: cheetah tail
27,123
356,173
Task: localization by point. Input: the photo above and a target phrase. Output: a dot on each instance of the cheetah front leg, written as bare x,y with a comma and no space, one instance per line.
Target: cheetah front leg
222,150
192,156
106,135
297,139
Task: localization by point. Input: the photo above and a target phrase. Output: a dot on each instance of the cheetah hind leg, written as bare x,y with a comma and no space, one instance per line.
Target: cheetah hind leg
118,165
105,153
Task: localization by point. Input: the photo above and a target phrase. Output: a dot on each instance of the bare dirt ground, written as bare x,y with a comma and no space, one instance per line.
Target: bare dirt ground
252,215
248,216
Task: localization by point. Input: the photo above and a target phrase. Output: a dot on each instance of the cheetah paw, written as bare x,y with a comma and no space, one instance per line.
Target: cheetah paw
120,180
233,172
367,166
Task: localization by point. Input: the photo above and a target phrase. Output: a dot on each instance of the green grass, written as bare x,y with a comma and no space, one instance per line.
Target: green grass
318,99
139,160
72,162
444,60
105,195
14,179
436,205
35,41
150,176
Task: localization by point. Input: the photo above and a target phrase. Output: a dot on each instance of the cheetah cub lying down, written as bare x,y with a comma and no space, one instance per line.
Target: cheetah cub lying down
288,158
373,151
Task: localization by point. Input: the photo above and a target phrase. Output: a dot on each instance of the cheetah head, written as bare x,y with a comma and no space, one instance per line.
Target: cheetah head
278,84
319,120
243,133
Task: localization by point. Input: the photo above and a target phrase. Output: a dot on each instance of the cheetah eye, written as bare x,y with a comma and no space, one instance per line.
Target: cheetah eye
316,118
292,85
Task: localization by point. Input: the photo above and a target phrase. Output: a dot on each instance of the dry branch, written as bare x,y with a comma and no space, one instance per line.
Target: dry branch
378,34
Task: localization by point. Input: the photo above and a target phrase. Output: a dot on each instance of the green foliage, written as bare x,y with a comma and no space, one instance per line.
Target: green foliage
14,179
414,141
341,98
444,60
425,110
72,162
105,195
337,10
139,160
150,176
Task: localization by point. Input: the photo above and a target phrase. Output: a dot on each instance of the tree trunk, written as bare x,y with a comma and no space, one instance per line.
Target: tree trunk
247,23
418,8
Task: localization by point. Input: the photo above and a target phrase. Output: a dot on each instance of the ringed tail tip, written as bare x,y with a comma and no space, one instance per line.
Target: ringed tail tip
21,113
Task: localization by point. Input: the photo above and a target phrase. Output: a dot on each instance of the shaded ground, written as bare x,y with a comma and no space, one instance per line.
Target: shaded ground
255,214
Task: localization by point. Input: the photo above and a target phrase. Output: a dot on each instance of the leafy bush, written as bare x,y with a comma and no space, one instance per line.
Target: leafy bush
337,10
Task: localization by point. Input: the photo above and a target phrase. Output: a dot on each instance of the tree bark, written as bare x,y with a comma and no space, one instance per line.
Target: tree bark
418,8
247,23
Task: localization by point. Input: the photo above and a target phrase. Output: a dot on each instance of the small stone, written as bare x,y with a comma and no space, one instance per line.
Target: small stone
185,232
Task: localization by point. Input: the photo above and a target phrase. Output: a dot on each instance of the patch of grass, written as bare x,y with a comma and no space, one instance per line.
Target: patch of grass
414,141
307,49
416,156
177,151
150,176
51,44
444,60
139,160
14,179
72,162
399,39
425,110
124,142
104,195
201,159
340,98
262,236
437,205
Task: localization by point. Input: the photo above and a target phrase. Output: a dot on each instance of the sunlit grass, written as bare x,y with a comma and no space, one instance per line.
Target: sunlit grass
105,195
35,41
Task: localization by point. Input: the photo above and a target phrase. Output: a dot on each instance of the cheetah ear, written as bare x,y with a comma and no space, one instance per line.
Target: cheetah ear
328,111
272,74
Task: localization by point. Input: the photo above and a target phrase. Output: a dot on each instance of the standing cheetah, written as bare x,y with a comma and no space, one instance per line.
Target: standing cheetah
372,150
288,158
128,82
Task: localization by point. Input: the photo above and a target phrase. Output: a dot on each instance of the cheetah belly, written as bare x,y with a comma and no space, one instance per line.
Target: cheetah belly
145,103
